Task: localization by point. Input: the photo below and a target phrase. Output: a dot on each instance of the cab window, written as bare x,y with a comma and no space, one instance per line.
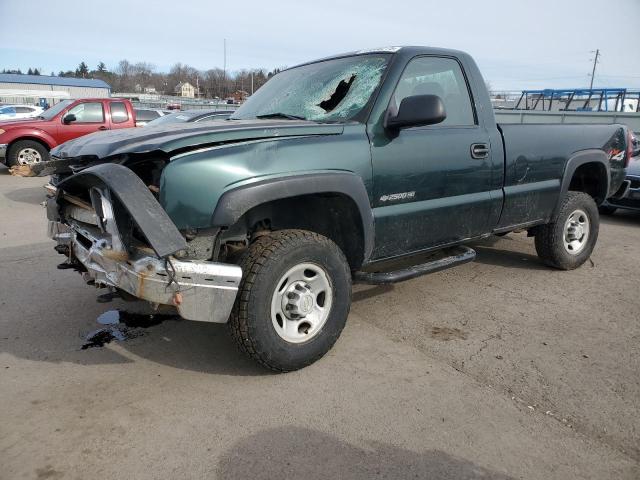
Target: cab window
119,112
88,112
437,76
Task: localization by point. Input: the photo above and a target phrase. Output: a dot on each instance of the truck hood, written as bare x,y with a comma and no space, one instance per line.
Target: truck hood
182,137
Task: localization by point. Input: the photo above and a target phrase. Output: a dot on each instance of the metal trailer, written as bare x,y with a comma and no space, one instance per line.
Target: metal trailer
580,100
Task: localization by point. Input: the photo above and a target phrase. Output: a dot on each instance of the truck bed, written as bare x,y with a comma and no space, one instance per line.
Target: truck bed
536,157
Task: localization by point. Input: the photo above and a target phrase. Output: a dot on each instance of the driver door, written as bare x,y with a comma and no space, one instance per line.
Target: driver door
90,118
429,187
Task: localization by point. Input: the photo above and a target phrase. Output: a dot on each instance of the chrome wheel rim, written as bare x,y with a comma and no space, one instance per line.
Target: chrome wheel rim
576,232
301,302
29,156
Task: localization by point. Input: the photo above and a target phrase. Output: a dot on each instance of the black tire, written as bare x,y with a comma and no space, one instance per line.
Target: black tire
17,148
607,209
550,237
263,265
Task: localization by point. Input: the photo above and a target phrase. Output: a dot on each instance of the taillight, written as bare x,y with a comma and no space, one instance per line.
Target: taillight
629,148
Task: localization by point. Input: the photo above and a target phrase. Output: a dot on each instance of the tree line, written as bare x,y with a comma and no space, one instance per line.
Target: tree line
141,77
31,71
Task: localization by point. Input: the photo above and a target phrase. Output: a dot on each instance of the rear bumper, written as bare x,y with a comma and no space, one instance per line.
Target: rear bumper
631,197
200,290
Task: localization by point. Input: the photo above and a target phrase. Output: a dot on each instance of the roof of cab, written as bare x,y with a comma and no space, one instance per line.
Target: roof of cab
392,50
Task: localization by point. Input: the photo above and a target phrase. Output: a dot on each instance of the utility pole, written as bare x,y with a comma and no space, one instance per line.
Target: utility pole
593,72
251,82
224,74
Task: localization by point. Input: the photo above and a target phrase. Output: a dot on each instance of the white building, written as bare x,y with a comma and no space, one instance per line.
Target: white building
29,89
185,89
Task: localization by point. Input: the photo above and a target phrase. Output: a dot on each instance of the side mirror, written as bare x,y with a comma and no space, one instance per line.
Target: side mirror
635,148
417,110
69,118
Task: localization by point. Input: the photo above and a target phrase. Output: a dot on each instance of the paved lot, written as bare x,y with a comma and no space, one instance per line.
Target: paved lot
497,369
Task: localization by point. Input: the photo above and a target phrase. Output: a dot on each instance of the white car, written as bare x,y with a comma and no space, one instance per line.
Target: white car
146,115
12,112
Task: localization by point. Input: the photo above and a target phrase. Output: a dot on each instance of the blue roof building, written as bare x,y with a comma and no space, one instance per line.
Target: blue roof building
30,89
53,81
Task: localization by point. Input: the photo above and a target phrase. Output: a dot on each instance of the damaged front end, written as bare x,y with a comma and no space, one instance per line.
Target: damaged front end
54,166
113,230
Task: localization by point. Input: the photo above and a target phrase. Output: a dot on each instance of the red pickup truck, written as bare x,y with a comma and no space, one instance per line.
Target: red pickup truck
27,142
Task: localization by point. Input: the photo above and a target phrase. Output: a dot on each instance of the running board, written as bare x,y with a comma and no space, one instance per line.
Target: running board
458,256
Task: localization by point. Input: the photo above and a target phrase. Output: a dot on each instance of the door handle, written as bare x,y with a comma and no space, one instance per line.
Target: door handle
479,150
102,128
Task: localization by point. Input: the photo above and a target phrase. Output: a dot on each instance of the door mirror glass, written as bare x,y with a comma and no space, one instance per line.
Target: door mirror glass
417,110
70,117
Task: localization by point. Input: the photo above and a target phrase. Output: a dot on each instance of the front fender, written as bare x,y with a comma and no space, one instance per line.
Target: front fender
13,135
237,201
192,183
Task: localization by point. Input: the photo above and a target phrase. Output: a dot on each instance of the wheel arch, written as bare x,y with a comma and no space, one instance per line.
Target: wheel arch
298,201
34,138
586,171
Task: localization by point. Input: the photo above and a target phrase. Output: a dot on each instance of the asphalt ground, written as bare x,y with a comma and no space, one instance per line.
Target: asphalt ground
501,368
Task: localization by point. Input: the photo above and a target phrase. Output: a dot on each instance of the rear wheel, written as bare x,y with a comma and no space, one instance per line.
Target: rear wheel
293,300
27,152
568,242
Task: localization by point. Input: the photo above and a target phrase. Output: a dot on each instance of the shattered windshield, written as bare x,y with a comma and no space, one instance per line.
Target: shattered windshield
332,90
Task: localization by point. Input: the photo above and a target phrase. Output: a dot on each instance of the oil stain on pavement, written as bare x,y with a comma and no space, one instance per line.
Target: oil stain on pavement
121,326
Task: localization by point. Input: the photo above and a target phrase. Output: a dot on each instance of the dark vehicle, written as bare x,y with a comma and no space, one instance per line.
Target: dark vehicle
329,172
188,116
146,115
631,199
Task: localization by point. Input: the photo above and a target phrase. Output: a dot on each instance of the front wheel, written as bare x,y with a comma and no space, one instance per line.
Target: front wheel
568,242
293,300
27,152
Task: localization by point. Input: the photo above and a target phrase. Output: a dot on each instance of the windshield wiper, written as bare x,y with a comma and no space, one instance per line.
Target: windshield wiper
280,115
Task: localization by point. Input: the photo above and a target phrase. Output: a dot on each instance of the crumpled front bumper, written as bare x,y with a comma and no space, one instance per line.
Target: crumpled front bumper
96,234
200,290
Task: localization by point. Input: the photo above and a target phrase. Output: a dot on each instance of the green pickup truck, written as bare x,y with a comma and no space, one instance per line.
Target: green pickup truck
328,173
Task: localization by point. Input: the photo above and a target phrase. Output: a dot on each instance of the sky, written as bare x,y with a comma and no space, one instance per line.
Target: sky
517,44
